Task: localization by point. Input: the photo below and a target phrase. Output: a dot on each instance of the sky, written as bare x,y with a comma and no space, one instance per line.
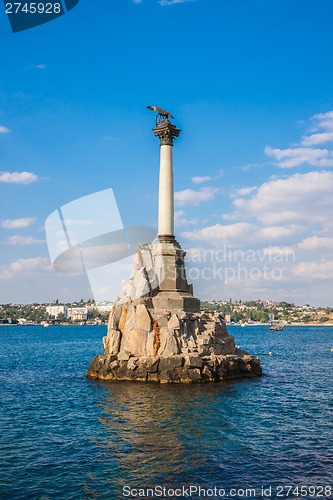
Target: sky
249,83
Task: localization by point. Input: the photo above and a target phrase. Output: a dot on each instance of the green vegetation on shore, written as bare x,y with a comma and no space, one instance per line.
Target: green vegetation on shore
264,311
234,311
37,313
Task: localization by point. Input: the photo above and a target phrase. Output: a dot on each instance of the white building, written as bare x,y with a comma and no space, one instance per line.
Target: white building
103,307
78,313
54,311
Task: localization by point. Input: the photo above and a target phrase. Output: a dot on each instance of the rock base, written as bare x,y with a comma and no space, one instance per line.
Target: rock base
157,333
174,369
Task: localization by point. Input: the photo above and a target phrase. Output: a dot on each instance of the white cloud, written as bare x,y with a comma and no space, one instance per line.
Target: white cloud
314,270
315,139
17,223
172,2
250,166
219,234
316,243
200,180
293,157
23,241
321,133
247,190
21,267
299,198
18,177
34,263
40,66
4,130
279,250
192,197
323,121
181,220
243,235
277,232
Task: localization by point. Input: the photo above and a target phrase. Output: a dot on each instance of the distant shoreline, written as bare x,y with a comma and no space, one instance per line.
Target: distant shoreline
228,324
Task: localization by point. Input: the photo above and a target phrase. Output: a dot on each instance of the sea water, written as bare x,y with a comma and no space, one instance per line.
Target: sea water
64,436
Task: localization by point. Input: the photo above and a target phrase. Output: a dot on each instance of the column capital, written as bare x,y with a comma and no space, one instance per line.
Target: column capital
166,132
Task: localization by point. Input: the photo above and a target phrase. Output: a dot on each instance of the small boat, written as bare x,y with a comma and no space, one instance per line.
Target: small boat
276,328
46,325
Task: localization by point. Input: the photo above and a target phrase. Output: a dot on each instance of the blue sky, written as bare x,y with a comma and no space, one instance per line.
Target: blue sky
249,83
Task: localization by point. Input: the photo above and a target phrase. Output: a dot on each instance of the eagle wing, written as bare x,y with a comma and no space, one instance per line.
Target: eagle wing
160,111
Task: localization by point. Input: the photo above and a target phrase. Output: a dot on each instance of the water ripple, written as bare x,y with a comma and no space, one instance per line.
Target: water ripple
64,436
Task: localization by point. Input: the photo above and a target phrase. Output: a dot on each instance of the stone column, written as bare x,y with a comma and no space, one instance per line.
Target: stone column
166,132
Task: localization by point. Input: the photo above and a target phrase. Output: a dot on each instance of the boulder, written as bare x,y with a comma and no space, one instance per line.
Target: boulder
195,374
113,342
171,362
123,356
170,345
132,363
173,323
153,365
193,361
142,318
134,342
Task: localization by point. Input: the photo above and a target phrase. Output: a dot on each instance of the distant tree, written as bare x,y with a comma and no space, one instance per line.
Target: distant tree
61,318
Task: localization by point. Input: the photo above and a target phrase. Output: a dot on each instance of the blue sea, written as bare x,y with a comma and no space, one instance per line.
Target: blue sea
66,437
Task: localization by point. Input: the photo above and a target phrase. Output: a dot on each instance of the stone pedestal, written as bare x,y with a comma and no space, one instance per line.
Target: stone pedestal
174,292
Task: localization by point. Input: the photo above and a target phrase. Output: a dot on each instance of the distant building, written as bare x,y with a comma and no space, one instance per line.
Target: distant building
78,313
103,307
5,321
228,318
55,311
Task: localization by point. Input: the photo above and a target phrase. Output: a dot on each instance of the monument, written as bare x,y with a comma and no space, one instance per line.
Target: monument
156,331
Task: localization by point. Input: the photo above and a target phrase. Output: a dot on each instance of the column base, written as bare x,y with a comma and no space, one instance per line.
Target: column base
166,237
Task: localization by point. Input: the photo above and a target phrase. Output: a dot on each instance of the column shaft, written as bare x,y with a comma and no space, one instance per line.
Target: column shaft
166,194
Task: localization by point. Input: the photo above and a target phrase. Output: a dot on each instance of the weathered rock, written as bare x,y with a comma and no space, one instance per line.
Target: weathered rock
206,373
122,319
112,342
123,356
157,333
132,364
174,368
152,365
173,323
114,365
171,362
193,361
142,320
134,342
95,364
140,285
195,374
170,346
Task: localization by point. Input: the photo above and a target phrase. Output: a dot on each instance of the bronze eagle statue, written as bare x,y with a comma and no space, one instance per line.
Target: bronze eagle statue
160,111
